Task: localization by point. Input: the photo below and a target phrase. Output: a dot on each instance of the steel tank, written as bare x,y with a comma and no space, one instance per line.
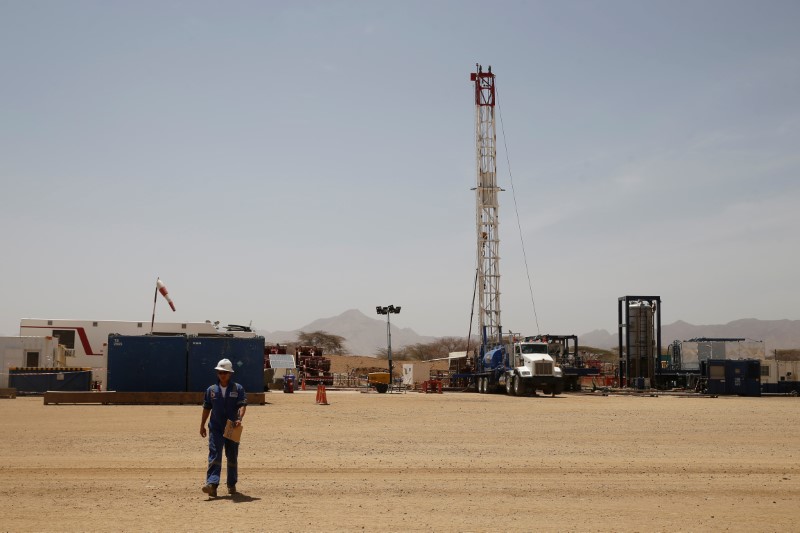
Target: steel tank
642,342
493,358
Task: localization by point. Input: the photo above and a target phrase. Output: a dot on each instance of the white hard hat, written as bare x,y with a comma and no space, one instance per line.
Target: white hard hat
225,365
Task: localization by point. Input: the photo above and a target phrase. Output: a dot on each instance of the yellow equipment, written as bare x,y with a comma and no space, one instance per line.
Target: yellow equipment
379,380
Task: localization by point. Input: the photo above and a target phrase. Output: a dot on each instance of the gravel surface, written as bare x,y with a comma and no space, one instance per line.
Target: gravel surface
410,462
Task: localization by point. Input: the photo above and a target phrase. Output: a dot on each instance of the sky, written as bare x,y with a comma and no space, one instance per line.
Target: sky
276,162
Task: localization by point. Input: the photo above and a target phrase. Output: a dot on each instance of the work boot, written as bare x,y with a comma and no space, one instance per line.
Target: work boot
210,489
231,489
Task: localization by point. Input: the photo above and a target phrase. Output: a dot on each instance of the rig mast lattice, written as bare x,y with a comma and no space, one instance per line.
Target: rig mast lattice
488,259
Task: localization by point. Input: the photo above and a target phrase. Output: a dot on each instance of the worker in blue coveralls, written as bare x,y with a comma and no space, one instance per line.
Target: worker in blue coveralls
223,401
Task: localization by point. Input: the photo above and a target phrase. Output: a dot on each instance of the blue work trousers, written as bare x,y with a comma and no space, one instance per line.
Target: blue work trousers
216,443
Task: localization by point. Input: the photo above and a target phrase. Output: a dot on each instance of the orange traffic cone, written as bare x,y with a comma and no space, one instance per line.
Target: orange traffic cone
303,383
322,398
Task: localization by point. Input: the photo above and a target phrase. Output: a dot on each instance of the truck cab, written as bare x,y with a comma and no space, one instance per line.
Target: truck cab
533,368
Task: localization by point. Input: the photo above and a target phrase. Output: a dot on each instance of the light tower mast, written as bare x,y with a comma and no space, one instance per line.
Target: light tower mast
488,276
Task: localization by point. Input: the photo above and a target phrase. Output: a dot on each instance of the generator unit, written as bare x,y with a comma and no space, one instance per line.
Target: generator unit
732,377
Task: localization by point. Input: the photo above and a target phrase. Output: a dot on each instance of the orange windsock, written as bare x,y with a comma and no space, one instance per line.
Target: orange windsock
163,290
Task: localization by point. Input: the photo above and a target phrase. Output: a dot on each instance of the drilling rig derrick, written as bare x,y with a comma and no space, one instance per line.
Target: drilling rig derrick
488,257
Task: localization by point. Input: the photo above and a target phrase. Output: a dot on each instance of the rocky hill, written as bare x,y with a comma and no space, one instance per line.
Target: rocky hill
776,334
363,335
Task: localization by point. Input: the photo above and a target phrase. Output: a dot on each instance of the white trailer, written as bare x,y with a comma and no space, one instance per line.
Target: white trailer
87,340
780,377
28,352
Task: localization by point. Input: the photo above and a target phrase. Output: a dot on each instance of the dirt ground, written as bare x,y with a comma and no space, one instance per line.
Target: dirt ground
410,462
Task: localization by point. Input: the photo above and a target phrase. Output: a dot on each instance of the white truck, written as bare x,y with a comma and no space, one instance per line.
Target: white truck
521,368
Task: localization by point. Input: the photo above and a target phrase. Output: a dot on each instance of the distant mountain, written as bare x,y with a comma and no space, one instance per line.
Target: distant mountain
363,335
598,338
776,334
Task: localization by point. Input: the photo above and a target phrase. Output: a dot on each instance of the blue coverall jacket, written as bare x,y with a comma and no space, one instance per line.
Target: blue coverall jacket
223,409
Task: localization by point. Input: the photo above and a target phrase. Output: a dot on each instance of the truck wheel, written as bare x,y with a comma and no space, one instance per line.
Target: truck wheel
519,386
381,387
547,390
481,386
510,385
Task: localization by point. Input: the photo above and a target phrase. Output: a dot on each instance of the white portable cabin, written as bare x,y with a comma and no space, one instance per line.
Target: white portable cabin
774,372
88,339
415,373
28,352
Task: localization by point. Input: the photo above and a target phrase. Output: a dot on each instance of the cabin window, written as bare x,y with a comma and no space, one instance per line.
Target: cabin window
183,326
765,371
138,324
31,358
65,337
94,324
49,322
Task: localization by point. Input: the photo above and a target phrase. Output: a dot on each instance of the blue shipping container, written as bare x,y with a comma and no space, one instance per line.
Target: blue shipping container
246,354
147,363
26,380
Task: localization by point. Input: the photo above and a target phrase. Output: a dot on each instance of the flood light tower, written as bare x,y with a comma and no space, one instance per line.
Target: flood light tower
388,311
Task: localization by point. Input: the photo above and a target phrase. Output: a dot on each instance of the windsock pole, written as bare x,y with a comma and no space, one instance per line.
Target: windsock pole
155,298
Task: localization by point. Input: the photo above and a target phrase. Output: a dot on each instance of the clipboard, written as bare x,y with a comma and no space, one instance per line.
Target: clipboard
231,432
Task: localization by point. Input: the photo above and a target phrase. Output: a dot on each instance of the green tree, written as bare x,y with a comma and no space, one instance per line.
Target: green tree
330,343
424,351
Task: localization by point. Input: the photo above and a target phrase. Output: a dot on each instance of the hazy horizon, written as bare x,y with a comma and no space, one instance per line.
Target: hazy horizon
278,162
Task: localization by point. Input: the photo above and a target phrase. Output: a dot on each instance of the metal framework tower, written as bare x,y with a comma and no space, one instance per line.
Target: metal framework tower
488,276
